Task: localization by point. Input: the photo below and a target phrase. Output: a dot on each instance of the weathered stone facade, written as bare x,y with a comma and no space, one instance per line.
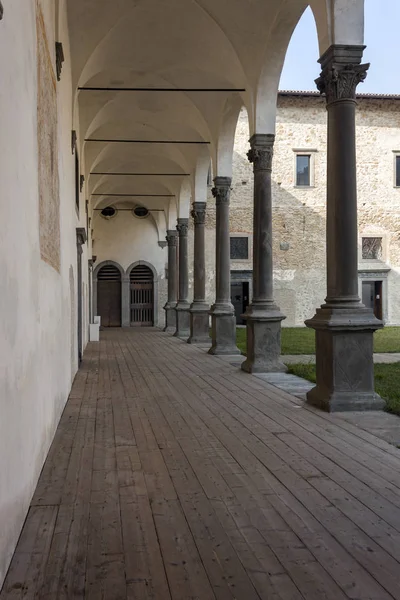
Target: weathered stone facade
299,212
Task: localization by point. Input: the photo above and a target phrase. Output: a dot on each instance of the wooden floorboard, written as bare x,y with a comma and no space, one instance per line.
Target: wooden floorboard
175,476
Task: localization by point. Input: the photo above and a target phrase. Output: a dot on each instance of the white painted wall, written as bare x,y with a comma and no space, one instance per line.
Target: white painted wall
126,239
37,361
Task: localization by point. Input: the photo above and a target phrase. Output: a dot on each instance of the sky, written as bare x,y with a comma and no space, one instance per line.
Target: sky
382,38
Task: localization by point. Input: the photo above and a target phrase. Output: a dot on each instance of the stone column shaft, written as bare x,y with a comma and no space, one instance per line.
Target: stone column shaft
344,327
182,308
222,312
170,312
263,317
342,231
199,310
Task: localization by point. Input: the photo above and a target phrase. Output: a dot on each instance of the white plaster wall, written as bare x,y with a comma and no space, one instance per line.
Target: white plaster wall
37,361
126,239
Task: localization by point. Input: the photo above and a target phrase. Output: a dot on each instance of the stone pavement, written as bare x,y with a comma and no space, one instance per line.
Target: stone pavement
175,476
292,359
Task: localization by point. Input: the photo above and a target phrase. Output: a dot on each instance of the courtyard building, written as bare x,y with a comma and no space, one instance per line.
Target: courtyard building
155,183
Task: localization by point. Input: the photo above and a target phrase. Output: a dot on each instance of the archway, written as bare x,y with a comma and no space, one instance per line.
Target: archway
142,296
109,294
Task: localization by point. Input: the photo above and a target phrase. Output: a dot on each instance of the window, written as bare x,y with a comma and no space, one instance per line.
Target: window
239,248
140,211
108,212
397,170
372,248
303,169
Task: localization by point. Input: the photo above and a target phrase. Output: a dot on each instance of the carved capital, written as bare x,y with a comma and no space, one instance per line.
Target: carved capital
199,213
172,237
261,151
182,227
221,190
341,72
162,245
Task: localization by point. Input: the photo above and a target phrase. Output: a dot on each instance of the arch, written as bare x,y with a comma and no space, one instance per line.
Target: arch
108,263
226,137
144,263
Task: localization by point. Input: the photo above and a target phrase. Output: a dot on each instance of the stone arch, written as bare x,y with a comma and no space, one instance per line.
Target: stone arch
156,279
124,308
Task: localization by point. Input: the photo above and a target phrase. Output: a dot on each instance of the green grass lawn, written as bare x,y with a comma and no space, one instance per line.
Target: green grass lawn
301,340
387,382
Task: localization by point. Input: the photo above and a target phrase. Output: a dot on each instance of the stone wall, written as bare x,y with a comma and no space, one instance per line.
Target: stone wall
299,213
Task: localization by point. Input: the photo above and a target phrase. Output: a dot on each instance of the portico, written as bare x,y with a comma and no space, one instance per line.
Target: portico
125,114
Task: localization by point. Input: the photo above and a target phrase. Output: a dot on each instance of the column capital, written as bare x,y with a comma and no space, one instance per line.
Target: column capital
261,151
221,189
199,213
172,237
182,227
341,72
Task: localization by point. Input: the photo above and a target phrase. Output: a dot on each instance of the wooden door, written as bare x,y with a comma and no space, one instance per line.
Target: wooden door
142,297
109,296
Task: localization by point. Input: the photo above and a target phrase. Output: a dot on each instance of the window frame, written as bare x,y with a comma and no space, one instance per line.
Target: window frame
249,247
310,152
396,161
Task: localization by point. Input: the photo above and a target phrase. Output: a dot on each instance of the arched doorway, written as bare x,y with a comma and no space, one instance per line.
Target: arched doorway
142,296
109,296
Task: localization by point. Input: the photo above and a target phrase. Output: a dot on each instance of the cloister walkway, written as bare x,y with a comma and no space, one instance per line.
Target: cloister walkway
174,475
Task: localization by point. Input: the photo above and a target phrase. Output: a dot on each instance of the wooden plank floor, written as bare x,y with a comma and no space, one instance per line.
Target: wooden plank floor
175,476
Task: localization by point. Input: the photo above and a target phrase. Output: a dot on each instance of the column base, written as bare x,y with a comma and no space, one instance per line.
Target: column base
182,320
263,329
199,323
223,331
170,317
344,359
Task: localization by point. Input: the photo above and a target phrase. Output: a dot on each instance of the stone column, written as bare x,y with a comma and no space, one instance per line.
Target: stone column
263,317
170,312
199,309
222,312
344,326
183,306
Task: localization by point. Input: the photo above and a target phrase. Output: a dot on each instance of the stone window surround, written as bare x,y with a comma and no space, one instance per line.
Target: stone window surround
304,152
396,153
376,274
385,252
250,247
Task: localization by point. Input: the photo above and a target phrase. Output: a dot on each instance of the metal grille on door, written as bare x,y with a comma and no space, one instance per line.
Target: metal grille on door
142,297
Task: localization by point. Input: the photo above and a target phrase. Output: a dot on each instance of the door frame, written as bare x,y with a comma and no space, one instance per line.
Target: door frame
106,263
380,274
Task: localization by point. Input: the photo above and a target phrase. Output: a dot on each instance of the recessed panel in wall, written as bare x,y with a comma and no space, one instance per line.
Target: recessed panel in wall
49,198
